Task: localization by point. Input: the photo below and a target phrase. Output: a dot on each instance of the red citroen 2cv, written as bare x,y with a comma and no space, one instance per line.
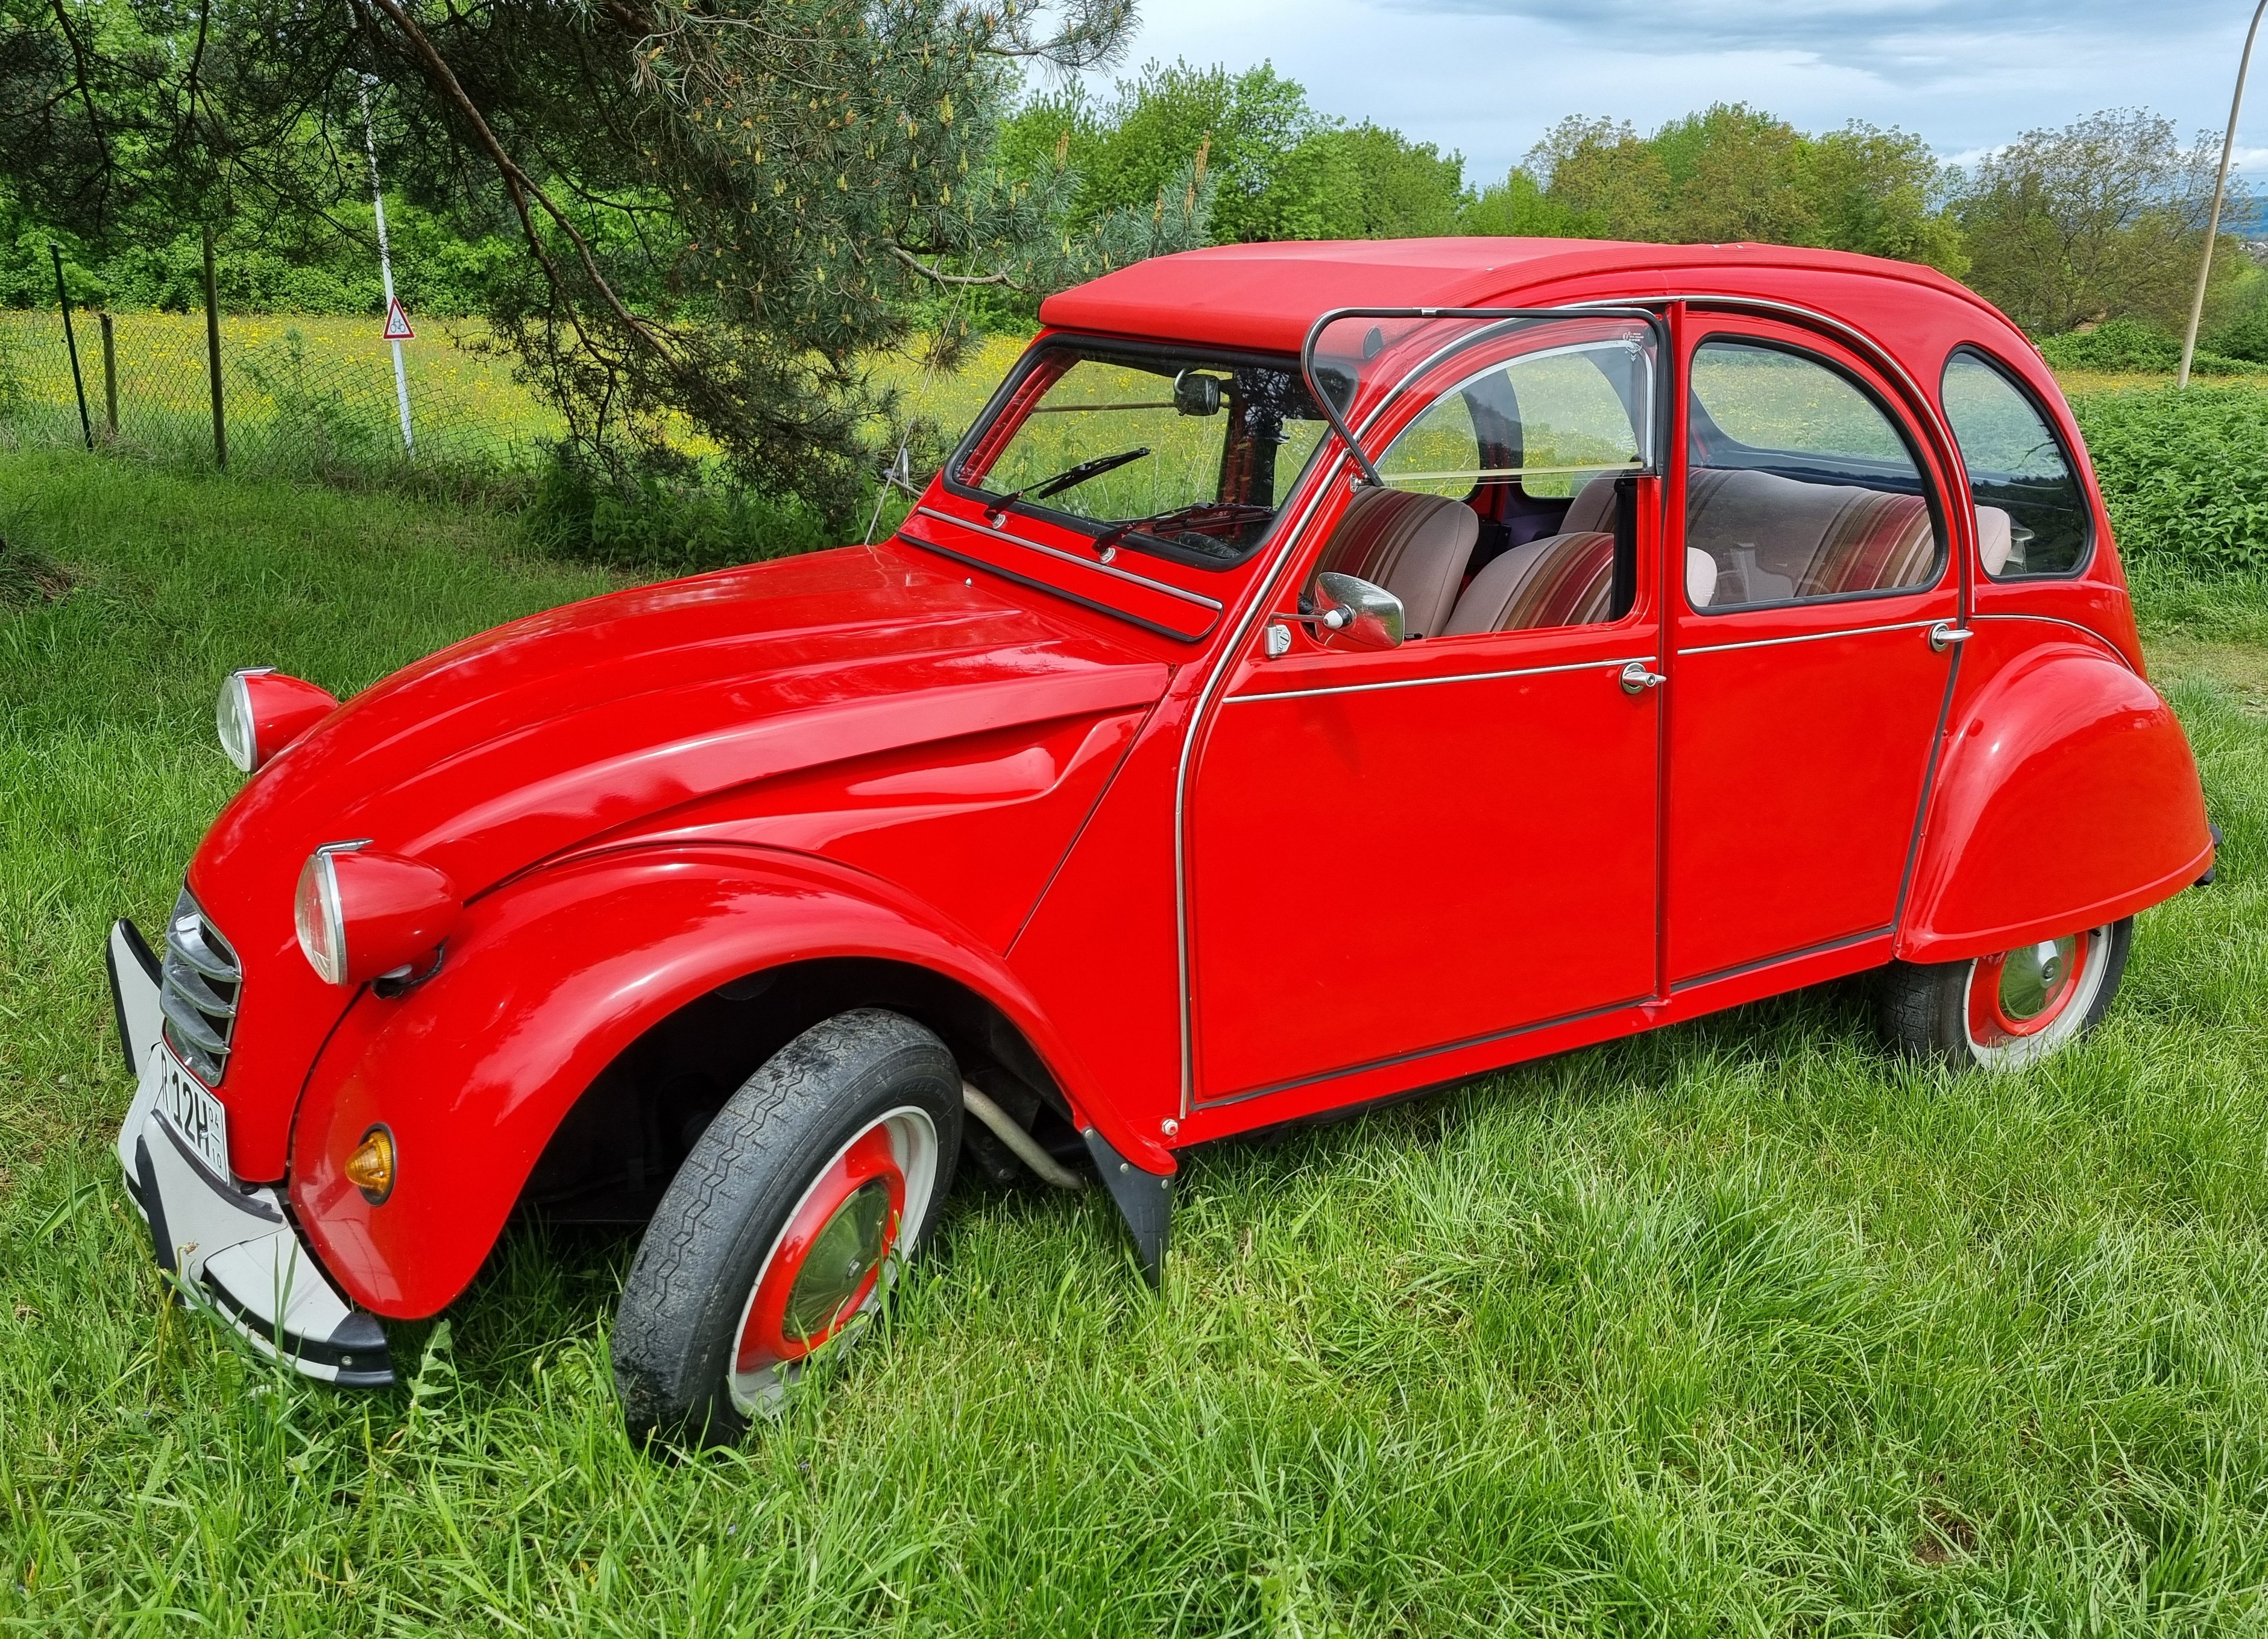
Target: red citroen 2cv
1716,620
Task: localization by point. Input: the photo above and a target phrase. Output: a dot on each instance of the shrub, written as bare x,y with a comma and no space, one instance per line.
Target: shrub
649,520
2185,475
2130,345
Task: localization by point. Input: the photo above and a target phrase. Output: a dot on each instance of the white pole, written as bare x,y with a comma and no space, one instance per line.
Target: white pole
2219,190
385,261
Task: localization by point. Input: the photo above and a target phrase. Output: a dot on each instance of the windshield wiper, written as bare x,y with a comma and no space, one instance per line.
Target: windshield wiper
1206,518
1069,478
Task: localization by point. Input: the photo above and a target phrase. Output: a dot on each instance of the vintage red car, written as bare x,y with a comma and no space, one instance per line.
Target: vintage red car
1324,671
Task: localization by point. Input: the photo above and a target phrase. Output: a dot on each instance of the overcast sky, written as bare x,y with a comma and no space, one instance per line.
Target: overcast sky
1487,77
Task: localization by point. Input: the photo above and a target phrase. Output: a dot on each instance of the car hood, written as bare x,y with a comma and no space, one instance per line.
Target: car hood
530,738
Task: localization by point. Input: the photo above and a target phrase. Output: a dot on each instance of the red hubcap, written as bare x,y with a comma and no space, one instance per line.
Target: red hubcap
2020,993
827,1262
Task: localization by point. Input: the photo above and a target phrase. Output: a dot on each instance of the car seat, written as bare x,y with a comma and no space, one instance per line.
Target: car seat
1414,544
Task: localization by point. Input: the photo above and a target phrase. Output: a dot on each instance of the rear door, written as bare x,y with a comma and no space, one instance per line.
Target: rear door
1806,689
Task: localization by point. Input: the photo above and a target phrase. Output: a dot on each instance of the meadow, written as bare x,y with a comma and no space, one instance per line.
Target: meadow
1743,1327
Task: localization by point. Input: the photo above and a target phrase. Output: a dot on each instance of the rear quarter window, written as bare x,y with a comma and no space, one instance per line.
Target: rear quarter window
2033,521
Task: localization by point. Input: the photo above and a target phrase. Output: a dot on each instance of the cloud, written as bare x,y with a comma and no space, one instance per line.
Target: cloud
1487,77
1871,36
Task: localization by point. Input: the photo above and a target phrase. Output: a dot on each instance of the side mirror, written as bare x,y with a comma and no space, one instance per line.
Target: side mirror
1367,617
1195,394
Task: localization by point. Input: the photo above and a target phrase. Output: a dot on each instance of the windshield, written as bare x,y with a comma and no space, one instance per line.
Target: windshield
1196,449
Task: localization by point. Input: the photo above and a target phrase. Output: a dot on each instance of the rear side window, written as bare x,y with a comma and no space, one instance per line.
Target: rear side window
2032,518
1799,485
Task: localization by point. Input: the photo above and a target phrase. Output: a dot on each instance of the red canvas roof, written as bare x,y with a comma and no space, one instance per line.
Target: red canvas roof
1266,296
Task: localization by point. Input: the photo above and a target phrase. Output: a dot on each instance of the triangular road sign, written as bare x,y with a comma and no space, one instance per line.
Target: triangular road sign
397,323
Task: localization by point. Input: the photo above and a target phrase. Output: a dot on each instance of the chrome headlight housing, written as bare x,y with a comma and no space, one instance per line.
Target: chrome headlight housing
260,712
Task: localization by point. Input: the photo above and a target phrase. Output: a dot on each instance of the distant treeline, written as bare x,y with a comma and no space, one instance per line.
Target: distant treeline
2098,221
2101,219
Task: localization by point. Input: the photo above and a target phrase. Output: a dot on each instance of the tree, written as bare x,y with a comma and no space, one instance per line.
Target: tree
1732,172
2104,218
1285,172
723,211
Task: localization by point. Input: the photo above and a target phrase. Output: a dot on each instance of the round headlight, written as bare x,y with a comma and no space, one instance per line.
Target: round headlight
260,712
233,716
362,916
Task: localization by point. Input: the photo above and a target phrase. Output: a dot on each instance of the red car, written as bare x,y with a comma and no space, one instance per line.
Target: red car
1324,671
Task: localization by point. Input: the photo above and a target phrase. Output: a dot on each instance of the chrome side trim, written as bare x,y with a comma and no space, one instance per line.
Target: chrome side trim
1419,683
1415,1054
2089,632
1808,637
1823,948
1186,596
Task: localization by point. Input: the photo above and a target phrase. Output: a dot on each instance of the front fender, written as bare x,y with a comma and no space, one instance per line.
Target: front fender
547,981
2068,798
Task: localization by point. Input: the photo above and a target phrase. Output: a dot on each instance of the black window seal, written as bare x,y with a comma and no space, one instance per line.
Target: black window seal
2071,467
1154,347
1940,524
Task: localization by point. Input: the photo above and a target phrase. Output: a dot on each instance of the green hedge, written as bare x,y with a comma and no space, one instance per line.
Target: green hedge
2185,475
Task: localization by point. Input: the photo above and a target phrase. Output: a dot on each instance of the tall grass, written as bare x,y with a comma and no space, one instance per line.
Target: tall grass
1738,1327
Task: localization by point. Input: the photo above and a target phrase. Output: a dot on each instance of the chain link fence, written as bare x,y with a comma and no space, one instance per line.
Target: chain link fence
310,398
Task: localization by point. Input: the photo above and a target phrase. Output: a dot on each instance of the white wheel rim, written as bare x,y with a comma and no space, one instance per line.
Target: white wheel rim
914,1146
2093,952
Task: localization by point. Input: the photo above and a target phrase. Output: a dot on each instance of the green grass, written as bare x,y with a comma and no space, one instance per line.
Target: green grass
1739,1328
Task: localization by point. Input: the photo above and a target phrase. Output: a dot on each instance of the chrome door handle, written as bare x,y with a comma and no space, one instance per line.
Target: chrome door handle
1636,679
1945,635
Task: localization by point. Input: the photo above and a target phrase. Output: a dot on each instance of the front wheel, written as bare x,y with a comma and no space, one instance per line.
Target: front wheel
2004,1011
787,1224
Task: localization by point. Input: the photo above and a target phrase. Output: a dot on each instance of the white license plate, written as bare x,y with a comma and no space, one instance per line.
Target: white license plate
193,1112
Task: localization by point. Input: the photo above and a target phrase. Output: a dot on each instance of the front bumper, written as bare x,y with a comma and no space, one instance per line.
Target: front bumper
230,1242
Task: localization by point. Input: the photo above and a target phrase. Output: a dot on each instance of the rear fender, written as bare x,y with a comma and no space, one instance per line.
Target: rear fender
545,984
2068,798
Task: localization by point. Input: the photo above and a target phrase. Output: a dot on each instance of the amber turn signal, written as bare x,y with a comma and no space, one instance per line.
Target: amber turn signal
370,1168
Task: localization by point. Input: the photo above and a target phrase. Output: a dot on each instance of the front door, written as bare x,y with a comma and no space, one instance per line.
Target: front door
1401,849
1806,690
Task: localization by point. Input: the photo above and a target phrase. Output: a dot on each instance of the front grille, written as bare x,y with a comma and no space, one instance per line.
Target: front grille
198,991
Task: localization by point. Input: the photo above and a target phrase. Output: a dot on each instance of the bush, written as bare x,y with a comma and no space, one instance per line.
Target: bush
669,522
2185,475
2128,345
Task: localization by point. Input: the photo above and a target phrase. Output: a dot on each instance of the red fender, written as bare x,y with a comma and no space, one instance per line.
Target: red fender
2066,798
545,981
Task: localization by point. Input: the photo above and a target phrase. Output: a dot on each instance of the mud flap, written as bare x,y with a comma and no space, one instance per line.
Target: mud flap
1145,1201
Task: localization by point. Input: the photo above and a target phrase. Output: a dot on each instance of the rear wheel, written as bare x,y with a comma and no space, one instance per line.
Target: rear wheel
2010,1009
787,1224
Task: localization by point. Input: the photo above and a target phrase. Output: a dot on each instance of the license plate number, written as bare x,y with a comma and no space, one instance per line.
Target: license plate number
194,1113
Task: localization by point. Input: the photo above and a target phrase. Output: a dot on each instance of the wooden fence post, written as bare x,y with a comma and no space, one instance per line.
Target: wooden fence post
212,359
109,378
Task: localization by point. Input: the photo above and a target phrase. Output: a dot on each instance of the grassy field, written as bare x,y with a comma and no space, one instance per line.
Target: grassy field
1738,1328
307,394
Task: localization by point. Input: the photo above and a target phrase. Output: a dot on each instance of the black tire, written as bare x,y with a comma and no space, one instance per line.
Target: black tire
1925,1007
678,1326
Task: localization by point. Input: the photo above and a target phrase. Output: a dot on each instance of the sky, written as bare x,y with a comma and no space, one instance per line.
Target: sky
1487,77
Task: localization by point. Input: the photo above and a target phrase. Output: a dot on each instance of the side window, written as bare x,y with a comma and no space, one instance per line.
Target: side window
2032,518
1799,484
1525,457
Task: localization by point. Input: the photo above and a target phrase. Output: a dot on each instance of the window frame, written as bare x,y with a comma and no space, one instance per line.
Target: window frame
2038,406
1940,523
1640,429
1035,356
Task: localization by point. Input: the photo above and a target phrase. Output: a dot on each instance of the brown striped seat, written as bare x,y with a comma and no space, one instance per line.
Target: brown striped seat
1561,580
1414,544
1776,537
